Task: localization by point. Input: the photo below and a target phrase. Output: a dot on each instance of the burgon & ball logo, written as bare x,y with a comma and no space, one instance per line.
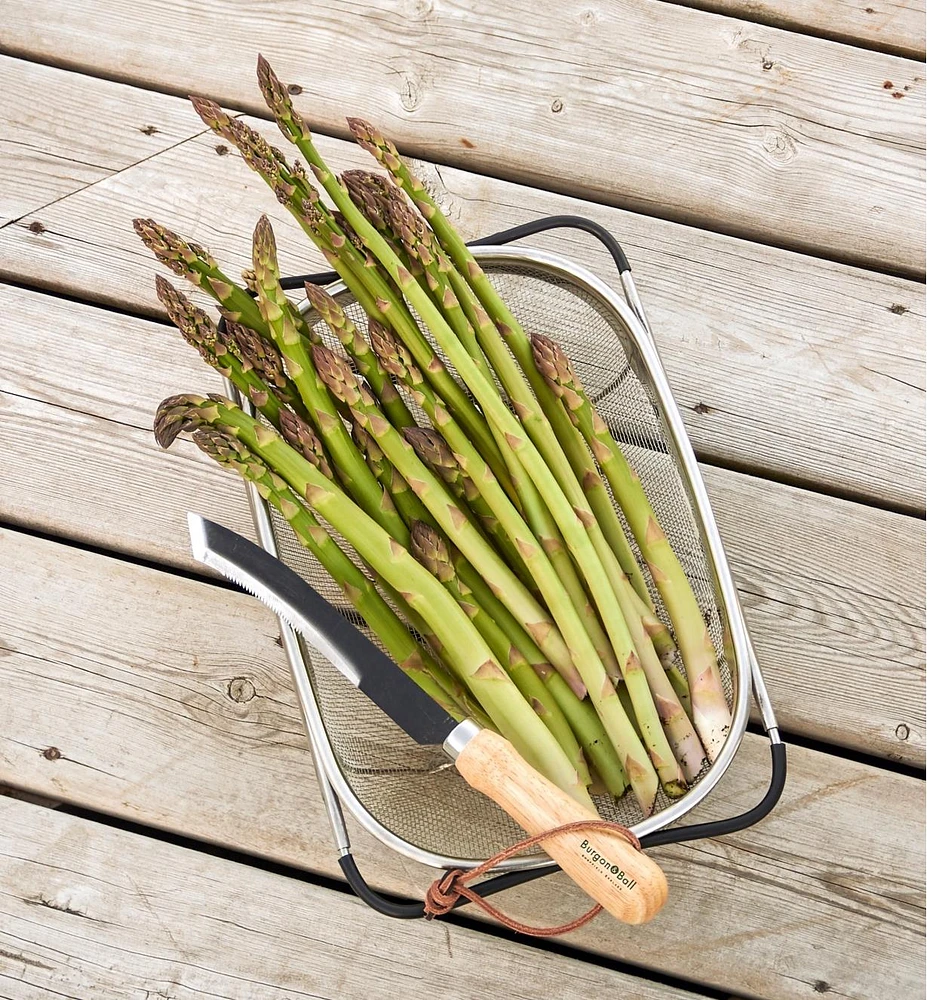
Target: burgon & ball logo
616,871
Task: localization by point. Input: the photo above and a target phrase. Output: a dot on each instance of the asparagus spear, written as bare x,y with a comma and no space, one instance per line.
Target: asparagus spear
659,634
680,685
432,449
709,707
262,356
222,353
418,663
463,645
191,261
581,715
431,551
389,212
374,290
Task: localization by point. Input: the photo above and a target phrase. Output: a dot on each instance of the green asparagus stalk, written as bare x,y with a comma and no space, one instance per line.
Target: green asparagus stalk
709,707
467,537
659,634
581,715
399,493
463,645
548,426
413,510
364,358
410,232
680,685
414,661
300,436
431,551
222,353
625,698
191,261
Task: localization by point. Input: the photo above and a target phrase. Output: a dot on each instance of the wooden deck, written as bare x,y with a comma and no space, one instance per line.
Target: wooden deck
762,163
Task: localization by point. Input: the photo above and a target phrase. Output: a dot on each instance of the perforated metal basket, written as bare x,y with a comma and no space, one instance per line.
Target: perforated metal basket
410,796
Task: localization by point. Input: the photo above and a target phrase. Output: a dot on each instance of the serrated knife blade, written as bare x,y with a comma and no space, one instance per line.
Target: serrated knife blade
288,595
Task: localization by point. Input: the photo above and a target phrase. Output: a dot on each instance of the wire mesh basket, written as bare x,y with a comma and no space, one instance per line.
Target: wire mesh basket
410,796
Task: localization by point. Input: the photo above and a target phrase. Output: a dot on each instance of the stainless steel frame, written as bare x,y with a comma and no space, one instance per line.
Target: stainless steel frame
336,791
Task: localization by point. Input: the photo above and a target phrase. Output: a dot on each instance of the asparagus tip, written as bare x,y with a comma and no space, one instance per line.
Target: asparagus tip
175,415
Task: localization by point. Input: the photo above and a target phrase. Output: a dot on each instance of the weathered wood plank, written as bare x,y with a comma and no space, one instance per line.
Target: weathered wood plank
891,26
697,117
804,370
820,577
191,925
127,672
39,168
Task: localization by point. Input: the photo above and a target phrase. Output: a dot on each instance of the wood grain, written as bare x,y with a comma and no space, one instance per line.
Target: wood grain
683,114
820,577
785,365
128,672
888,26
170,921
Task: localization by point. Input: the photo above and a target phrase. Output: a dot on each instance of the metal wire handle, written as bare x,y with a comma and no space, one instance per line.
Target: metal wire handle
697,831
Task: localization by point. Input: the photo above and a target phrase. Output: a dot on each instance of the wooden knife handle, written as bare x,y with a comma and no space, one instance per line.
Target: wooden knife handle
604,864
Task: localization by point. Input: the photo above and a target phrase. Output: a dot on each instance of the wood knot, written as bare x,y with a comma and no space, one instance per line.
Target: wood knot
222,149
902,732
557,106
897,309
240,689
588,18
410,95
294,89
149,130
51,753
36,227
779,145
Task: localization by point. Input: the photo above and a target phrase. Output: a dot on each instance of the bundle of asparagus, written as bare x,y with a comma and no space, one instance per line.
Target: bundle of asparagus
498,572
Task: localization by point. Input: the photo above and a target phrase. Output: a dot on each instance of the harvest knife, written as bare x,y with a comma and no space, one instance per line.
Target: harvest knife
602,862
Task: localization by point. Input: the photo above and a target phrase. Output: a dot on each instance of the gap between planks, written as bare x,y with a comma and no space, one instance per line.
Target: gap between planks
897,31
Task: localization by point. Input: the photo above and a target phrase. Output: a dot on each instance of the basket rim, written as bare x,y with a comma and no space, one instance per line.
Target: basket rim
323,754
